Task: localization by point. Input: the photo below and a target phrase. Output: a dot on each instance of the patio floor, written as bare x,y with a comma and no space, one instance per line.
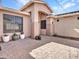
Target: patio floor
20,49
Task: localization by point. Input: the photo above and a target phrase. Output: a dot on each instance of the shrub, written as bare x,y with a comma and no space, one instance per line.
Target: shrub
15,37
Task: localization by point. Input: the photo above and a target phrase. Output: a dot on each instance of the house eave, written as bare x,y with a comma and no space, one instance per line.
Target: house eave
14,11
63,16
31,2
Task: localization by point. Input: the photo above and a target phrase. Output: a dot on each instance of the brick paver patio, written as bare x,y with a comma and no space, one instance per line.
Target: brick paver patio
20,49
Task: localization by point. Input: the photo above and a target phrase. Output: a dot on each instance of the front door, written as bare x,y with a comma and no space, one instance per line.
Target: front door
43,27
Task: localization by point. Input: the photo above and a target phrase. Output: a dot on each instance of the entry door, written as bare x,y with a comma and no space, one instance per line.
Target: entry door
43,27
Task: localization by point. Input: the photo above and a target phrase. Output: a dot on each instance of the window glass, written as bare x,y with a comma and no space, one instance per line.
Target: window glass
43,24
12,23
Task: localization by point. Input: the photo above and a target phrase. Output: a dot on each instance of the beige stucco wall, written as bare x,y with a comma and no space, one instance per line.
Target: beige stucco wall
1,24
29,9
35,8
43,8
39,7
50,26
42,17
26,23
68,26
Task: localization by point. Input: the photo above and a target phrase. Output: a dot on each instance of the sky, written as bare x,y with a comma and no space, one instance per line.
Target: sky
58,6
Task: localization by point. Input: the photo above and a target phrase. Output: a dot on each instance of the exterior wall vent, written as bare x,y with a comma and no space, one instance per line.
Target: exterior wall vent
57,20
77,18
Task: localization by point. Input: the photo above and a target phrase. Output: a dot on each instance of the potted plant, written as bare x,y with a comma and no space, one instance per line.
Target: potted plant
6,38
38,37
22,35
15,37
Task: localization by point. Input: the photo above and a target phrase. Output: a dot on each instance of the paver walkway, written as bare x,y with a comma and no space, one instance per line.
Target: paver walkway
20,49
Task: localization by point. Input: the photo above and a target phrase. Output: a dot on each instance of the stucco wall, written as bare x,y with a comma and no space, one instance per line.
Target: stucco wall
42,17
35,8
43,8
67,26
1,24
50,26
26,23
30,8
39,7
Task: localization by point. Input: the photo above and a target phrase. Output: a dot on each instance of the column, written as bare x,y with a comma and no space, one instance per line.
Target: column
50,26
35,23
